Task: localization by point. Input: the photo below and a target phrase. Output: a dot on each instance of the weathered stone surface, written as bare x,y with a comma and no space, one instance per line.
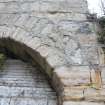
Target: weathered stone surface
57,35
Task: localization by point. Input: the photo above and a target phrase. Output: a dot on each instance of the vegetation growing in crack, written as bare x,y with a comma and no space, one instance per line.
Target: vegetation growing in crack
101,32
2,59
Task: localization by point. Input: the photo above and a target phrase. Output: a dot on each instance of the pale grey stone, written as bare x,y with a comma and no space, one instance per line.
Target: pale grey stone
82,103
73,52
56,59
4,101
90,55
22,20
31,22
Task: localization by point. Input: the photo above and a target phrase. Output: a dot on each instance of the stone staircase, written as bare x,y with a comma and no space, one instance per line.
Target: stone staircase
22,84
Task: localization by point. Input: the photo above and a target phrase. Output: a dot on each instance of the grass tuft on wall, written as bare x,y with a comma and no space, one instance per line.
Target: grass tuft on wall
101,32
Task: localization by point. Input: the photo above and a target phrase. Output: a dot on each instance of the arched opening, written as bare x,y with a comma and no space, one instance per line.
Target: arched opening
24,82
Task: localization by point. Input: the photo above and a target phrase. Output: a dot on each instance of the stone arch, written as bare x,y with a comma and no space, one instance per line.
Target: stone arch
20,36
69,81
30,49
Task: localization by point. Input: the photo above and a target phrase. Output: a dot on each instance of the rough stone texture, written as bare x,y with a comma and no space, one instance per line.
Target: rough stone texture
56,34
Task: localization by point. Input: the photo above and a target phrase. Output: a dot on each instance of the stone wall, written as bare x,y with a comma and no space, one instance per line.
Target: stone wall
56,34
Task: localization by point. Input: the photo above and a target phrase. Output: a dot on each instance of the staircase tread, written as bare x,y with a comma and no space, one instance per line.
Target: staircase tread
17,76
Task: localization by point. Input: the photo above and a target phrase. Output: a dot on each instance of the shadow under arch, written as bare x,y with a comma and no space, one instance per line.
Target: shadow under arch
19,50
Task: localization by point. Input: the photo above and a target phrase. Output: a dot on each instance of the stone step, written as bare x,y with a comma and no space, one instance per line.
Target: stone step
15,75
26,92
26,101
29,71
8,78
22,84
18,66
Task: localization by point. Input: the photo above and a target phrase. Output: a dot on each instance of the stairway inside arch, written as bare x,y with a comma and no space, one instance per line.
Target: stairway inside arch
22,84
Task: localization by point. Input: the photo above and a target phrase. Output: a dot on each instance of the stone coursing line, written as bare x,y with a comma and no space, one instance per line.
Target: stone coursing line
56,34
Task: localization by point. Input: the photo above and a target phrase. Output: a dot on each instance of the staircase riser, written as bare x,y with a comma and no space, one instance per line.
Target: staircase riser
22,84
